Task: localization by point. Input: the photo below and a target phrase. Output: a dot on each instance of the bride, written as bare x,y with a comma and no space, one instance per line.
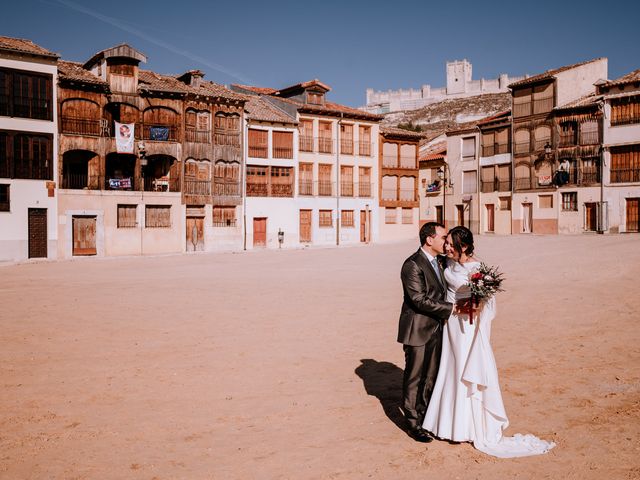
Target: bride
466,404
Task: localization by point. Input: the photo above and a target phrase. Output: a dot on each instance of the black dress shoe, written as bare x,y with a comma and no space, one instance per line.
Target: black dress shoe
420,435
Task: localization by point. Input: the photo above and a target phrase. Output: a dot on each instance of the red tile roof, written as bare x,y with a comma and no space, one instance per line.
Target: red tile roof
400,132
437,151
74,72
587,101
495,118
155,82
22,45
549,74
259,109
631,77
259,90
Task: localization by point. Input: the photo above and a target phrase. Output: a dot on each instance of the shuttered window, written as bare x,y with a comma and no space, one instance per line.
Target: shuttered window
5,204
157,216
469,182
26,94
346,218
324,218
468,148
224,216
127,216
258,143
282,144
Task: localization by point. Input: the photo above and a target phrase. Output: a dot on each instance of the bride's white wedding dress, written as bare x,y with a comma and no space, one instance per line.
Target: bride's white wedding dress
466,404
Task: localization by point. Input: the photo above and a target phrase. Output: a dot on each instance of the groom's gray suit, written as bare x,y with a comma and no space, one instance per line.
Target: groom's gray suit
424,310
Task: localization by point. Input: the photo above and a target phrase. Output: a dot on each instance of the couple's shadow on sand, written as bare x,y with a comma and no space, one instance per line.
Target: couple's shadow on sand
383,380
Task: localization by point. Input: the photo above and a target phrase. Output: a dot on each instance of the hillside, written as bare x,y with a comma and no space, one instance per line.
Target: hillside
440,116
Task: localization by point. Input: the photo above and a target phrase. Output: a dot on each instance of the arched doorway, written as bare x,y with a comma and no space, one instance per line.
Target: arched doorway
79,171
161,174
120,171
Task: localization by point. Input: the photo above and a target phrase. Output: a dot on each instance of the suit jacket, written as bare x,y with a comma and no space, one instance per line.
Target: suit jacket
424,308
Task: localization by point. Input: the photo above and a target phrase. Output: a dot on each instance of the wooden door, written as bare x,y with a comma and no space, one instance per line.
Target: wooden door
84,235
439,214
305,226
590,217
195,234
460,215
527,218
259,232
632,213
363,226
490,217
37,233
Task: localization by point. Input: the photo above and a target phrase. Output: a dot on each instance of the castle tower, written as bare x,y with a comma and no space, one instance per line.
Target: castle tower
458,76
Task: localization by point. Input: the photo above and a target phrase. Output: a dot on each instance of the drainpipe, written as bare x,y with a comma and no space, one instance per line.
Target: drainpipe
601,168
245,154
338,216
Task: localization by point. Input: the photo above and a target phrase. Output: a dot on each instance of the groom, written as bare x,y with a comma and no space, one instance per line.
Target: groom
423,314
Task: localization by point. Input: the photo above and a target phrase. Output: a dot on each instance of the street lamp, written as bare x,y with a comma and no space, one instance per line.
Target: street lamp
442,175
547,149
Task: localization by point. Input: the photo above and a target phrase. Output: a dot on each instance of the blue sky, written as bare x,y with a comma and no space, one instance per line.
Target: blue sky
349,45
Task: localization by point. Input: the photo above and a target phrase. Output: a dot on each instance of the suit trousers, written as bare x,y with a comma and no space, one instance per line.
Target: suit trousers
420,372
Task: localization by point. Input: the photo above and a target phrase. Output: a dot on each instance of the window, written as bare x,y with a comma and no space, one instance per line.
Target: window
523,176
389,187
26,155
505,203
407,189
224,216
4,198
407,156
197,126
545,201
543,98
346,181
390,155
325,186
625,110
346,139
522,141
325,219
364,181
522,102
568,134
542,136
346,218
570,201
227,129
258,143
305,179
127,216
407,215
269,181
157,216
160,124
390,215
625,164
504,178
589,133
364,143
468,148
282,144
305,132
26,94
495,142
487,179
314,98
470,181
325,143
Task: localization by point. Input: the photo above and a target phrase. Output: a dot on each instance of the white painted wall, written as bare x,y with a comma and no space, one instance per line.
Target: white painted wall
579,81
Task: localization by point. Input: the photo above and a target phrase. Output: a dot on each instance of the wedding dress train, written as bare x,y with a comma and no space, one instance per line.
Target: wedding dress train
466,404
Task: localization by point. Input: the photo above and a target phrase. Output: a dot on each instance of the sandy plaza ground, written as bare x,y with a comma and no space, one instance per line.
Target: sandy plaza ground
284,365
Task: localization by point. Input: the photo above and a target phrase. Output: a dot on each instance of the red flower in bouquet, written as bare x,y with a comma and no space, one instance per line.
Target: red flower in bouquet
484,283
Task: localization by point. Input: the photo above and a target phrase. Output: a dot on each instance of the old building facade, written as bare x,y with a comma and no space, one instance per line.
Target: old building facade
28,151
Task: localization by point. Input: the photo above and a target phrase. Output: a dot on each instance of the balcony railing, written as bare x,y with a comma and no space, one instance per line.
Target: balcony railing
364,189
495,149
224,138
346,189
162,184
261,189
305,143
364,149
81,126
325,188
523,183
496,185
402,195
305,187
589,138
160,133
283,152
623,175
258,151
227,189
79,181
197,187
325,145
567,139
197,136
346,146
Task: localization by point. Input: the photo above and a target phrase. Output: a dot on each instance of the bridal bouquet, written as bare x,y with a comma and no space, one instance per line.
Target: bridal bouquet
484,282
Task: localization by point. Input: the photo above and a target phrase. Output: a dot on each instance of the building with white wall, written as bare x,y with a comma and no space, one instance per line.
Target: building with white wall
28,151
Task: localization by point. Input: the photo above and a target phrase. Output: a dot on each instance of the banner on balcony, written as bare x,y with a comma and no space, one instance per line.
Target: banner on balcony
160,134
544,180
124,137
120,183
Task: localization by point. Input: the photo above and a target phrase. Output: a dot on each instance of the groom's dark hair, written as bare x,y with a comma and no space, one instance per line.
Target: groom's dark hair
428,230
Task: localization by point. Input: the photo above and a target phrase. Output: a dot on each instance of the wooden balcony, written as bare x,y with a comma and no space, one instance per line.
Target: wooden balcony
269,189
81,126
197,136
197,187
160,133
